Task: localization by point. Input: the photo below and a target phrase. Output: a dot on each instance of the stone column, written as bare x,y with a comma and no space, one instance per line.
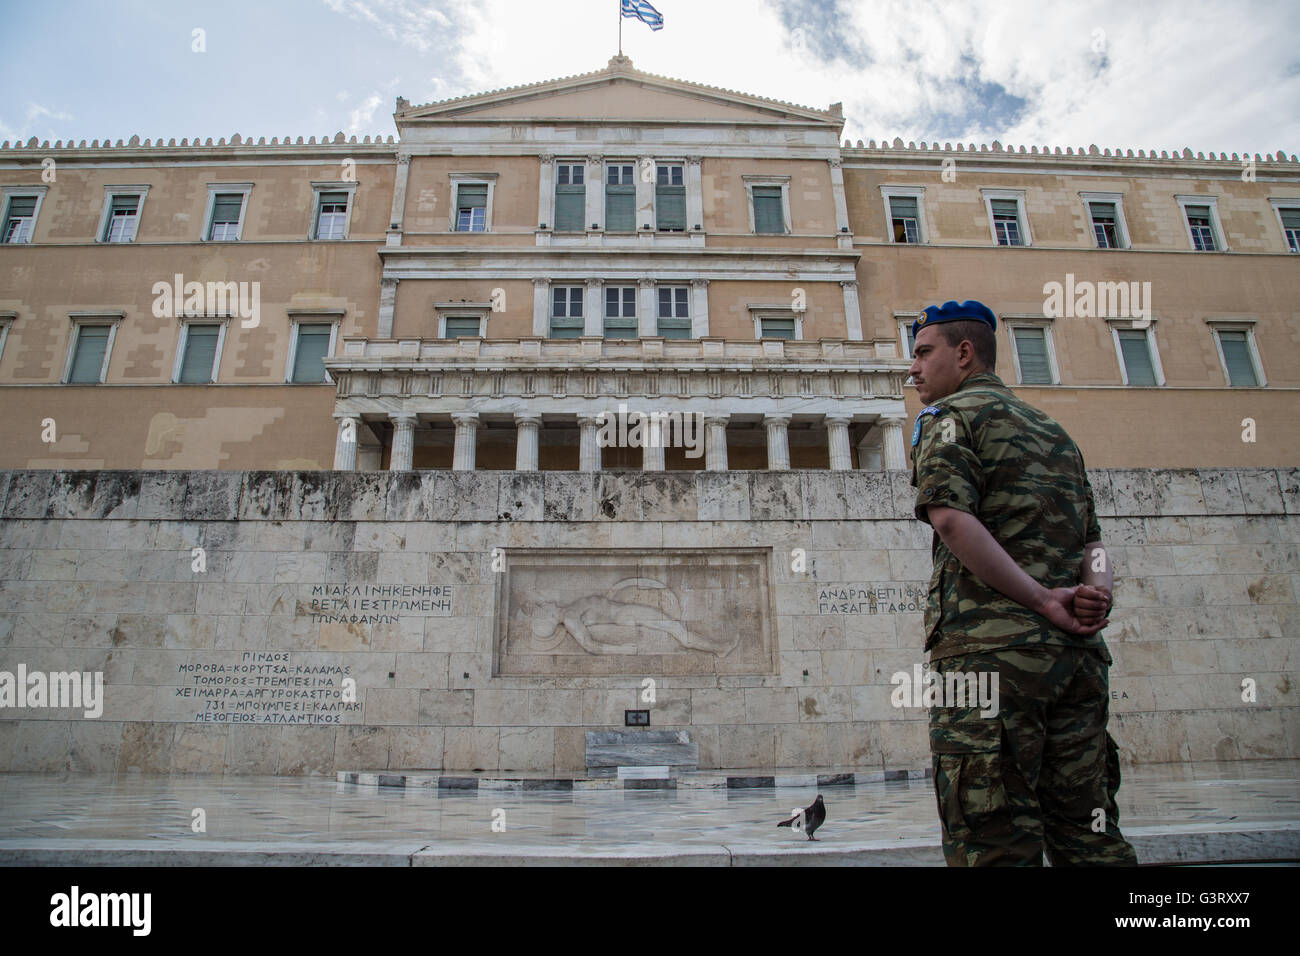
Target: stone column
529,426
837,429
645,192
895,452
542,307
399,190
546,190
699,308
778,442
387,303
694,193
345,446
593,315
837,194
715,442
588,450
466,433
647,321
852,309
403,441
595,192
655,436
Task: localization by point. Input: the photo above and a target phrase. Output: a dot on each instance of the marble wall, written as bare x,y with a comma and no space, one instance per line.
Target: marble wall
307,622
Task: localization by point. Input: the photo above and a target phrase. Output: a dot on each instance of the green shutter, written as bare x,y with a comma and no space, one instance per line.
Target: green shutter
88,360
570,208
1031,347
620,208
1290,218
471,197
200,353
778,328
1005,207
226,207
313,344
903,207
1236,355
20,207
670,208
1103,212
768,214
1137,357
460,326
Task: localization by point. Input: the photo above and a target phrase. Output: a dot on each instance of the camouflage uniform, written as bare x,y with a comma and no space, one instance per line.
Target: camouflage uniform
1034,773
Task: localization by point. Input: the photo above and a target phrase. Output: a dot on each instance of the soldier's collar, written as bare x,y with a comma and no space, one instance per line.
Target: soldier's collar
981,379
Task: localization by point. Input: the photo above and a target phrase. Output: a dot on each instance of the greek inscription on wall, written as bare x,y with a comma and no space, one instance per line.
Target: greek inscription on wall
373,603
889,597
267,688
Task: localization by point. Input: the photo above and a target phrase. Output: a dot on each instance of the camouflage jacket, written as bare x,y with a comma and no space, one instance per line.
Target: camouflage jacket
983,451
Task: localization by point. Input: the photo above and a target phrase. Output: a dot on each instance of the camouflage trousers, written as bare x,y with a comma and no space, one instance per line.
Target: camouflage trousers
1037,775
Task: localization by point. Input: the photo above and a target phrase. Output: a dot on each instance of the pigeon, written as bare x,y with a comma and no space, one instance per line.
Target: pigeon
813,817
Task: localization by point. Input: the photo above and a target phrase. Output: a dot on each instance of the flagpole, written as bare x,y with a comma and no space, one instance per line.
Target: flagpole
620,28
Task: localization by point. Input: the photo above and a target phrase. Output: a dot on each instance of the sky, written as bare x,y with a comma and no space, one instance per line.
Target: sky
1212,76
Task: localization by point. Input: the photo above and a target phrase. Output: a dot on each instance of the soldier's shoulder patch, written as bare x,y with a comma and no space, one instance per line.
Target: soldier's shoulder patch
920,416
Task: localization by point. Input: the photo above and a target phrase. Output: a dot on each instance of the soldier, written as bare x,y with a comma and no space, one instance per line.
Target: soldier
1015,532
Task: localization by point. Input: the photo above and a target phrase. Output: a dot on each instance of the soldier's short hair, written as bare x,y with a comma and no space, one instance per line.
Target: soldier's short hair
980,336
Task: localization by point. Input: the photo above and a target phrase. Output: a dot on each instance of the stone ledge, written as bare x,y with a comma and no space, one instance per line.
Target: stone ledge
512,496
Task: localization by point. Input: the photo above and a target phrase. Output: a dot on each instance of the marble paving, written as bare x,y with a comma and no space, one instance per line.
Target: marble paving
45,816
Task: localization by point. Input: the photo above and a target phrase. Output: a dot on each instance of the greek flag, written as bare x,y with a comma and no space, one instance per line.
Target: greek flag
640,10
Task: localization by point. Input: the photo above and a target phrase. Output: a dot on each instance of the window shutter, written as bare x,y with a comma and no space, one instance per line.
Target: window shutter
22,206
125,203
1137,357
903,207
570,208
1005,207
92,343
1236,355
308,360
1103,212
1031,347
670,208
1290,218
200,353
471,196
778,328
768,214
226,207
459,326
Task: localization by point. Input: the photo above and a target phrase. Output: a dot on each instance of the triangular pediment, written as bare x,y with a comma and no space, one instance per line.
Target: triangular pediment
617,93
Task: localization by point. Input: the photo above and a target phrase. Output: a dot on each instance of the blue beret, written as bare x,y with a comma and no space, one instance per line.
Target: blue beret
952,312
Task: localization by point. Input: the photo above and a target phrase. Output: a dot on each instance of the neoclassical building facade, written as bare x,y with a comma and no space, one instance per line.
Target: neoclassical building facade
521,267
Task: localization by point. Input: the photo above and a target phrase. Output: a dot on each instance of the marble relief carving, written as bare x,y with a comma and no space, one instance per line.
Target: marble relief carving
582,612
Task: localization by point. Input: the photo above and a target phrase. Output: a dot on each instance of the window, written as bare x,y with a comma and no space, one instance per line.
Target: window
777,328
227,203
471,207
1202,219
1006,216
567,320
1032,354
1006,222
199,353
670,198
674,312
904,212
461,327
620,312
121,213
620,197
310,344
905,330
6,320
20,206
1238,355
333,212
90,348
1288,216
1138,361
570,197
1106,217
767,209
